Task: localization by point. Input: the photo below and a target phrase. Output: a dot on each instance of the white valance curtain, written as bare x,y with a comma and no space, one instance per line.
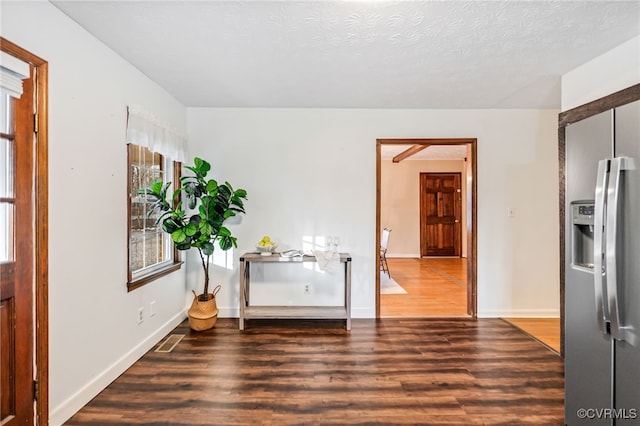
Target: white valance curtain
12,72
144,129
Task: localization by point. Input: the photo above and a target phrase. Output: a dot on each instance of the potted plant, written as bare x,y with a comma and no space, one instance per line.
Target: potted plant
201,227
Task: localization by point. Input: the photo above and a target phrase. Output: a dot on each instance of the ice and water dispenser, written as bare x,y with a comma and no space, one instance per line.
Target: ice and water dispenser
582,214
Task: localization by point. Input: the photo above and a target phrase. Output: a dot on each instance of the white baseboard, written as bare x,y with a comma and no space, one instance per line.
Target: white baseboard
366,313
519,313
228,312
75,402
417,256
404,255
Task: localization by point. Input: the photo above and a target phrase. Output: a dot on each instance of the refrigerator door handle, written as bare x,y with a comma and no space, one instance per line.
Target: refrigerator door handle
602,316
618,165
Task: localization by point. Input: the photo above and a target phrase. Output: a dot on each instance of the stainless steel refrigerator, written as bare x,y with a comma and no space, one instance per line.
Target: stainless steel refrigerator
602,269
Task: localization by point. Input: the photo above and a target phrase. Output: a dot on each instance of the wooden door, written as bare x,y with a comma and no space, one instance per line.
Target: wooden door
17,259
440,213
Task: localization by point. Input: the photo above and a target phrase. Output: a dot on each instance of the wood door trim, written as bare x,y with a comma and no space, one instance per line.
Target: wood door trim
614,100
472,216
41,273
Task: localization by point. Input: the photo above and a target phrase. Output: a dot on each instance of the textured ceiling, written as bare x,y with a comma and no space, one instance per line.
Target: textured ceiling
359,54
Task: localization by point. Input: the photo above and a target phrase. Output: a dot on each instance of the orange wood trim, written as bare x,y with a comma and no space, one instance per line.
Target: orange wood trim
132,285
42,244
25,250
41,272
378,206
472,229
17,51
409,152
128,192
177,174
437,141
472,203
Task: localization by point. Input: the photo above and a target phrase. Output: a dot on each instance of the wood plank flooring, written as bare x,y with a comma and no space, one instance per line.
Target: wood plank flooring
435,287
547,330
388,371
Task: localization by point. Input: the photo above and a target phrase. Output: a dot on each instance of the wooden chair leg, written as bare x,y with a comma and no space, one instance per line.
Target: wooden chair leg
384,265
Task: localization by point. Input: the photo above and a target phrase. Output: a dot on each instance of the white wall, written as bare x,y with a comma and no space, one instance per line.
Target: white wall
312,172
93,332
608,73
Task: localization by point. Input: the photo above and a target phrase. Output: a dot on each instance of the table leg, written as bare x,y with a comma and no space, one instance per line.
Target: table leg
347,289
242,293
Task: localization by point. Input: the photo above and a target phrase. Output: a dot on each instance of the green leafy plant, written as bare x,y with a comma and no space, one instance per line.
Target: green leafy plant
209,204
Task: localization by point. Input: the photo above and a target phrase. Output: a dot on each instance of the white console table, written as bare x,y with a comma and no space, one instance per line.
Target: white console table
310,312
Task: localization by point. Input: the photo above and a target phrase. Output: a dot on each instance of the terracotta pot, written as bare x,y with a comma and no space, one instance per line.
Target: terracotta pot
203,314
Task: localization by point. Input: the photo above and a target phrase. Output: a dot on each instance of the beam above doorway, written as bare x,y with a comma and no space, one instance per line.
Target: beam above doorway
409,152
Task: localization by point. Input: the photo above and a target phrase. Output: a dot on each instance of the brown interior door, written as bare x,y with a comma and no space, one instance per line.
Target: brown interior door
17,259
440,227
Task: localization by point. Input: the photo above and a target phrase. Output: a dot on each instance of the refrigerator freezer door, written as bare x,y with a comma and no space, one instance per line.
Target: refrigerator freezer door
627,366
588,355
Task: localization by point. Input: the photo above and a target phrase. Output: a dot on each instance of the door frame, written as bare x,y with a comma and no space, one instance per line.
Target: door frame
423,215
471,212
41,235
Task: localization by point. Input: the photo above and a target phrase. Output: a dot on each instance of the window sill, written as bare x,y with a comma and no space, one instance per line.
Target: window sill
132,285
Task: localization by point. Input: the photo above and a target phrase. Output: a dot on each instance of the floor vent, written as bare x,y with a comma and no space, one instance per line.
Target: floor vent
170,343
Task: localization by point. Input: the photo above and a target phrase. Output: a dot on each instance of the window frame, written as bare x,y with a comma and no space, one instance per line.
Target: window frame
169,266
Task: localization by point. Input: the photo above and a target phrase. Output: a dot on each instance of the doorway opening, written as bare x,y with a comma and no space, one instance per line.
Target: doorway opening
431,204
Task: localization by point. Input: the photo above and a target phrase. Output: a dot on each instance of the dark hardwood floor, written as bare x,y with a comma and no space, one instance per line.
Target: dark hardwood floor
390,371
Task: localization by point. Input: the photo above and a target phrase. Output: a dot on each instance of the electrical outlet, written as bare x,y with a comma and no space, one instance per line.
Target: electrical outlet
152,308
140,315
307,289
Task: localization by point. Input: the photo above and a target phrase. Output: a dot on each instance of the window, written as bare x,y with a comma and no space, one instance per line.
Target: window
7,161
155,152
151,251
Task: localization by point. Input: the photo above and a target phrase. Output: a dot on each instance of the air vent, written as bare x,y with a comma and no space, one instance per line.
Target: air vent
170,343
